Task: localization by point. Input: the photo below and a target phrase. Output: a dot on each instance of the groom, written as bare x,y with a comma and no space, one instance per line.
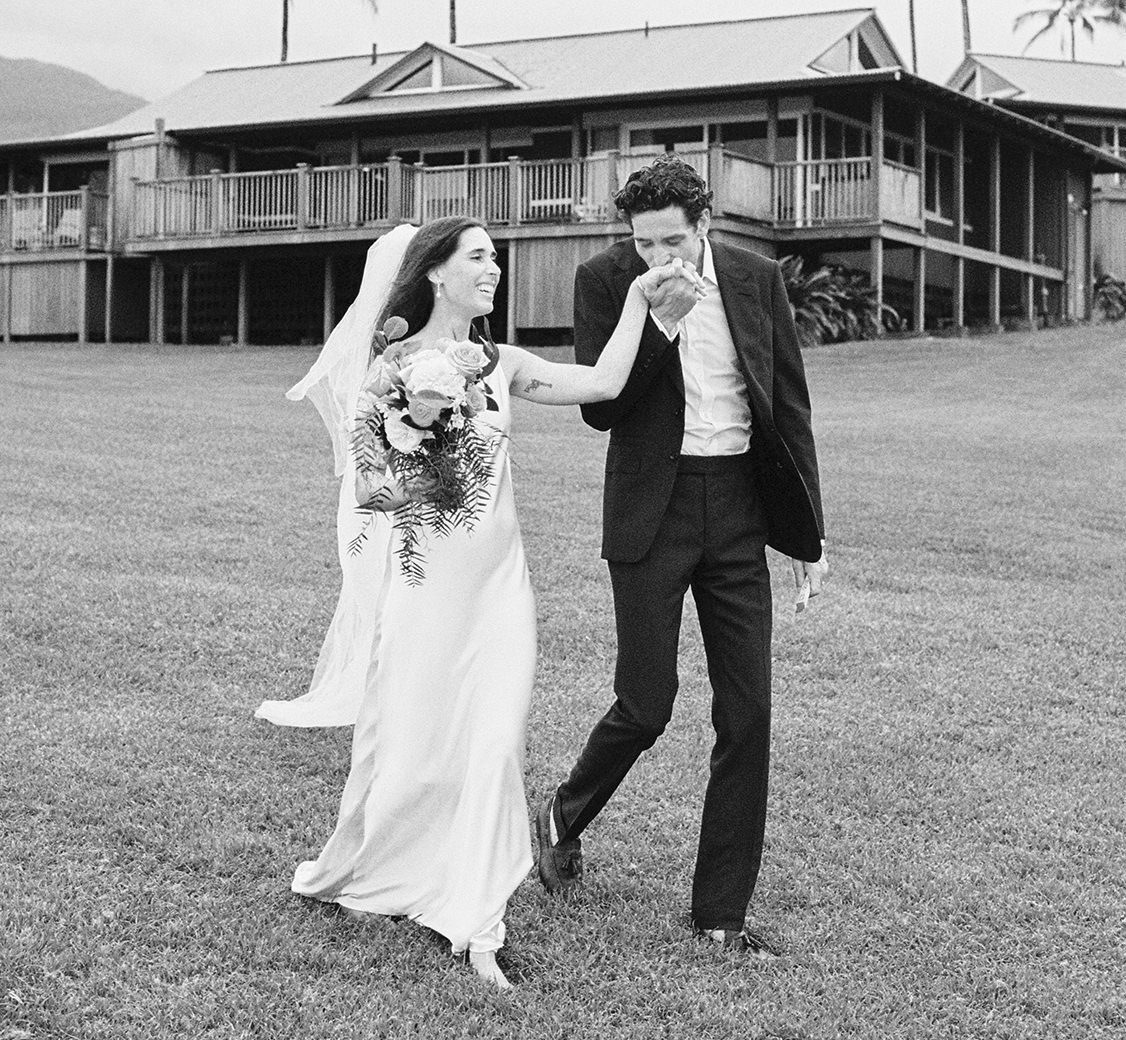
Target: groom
711,458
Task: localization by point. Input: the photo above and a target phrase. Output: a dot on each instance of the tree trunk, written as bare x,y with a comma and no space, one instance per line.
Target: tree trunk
914,42
285,29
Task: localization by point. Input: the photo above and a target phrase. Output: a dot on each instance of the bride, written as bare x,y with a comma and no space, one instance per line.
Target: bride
437,676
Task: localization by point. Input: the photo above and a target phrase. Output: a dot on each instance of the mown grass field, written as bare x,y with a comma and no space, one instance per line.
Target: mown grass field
947,837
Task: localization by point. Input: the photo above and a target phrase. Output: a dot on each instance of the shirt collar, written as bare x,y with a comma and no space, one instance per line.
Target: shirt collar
707,269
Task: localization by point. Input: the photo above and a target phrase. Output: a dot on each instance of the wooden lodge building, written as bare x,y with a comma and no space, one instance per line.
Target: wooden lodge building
1086,100
239,208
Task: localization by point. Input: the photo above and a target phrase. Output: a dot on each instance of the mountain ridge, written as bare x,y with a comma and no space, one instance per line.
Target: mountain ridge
41,99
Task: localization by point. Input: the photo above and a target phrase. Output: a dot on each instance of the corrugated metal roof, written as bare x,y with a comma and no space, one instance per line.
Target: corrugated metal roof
1068,84
559,69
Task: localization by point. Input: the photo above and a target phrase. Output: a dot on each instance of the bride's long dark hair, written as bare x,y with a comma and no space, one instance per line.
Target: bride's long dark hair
412,296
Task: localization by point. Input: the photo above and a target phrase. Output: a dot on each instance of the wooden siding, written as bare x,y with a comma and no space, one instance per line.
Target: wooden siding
1108,227
545,278
45,298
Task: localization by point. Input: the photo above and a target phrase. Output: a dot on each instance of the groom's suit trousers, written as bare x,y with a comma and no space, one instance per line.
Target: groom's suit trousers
711,540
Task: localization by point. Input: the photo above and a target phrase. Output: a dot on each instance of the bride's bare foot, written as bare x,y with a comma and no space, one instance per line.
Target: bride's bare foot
485,964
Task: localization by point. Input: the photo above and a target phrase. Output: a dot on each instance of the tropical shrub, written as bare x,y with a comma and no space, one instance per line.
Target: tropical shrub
1110,297
832,304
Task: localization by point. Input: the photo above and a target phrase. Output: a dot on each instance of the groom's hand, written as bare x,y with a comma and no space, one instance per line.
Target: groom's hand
815,573
672,290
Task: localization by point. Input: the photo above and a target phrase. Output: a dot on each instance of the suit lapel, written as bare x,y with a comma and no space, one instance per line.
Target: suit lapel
749,324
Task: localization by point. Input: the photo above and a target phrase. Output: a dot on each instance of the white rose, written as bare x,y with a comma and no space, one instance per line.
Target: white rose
468,358
402,437
436,374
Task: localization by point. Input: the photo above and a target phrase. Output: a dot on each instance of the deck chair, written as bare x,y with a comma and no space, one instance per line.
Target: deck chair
27,232
68,231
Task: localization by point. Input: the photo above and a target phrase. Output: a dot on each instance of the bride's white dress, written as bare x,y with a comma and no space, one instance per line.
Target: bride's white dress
433,821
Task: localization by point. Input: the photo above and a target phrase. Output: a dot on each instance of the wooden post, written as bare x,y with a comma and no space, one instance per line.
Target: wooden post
920,323
715,176
185,299
419,193
876,278
109,298
394,189
157,301
243,308
513,245
514,194
8,286
877,168
772,153
921,159
302,196
216,202
353,187
82,281
995,230
329,297
158,208
158,156
84,220
959,291
1030,241
612,185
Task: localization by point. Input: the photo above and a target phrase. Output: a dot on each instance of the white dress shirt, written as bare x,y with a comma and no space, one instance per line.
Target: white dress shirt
717,413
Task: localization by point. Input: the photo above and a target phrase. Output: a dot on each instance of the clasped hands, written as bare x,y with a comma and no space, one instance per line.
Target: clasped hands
672,290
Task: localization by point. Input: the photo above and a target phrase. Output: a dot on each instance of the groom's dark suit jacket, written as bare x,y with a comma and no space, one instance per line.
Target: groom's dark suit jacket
646,420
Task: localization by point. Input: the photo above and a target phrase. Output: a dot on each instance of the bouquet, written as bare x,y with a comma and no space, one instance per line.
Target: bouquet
413,420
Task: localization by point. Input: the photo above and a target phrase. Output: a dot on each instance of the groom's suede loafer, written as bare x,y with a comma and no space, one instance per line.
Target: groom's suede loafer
561,866
750,943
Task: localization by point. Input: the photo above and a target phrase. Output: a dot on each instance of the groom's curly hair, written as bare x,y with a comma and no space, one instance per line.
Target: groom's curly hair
667,181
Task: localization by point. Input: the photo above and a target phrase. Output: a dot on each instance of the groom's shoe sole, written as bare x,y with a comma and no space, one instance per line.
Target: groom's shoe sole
560,866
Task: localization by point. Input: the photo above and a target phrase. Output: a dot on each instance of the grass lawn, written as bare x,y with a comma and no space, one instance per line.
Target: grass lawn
946,850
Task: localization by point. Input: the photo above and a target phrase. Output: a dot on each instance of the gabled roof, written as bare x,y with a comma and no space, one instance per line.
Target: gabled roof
1046,83
489,71
626,64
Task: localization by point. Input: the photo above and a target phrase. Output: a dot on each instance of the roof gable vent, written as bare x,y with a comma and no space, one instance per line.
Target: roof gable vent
437,67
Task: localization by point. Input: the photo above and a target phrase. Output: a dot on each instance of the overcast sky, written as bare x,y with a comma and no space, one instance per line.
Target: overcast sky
151,47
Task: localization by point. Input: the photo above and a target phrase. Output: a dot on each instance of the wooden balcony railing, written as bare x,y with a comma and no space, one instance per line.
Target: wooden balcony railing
53,220
515,192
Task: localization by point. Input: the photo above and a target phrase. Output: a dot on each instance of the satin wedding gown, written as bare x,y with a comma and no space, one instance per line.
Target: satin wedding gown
433,820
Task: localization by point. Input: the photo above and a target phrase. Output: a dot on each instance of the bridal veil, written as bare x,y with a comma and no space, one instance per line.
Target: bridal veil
333,385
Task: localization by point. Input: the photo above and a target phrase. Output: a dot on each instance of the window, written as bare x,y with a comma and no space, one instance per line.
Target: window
940,186
458,74
831,137
747,139
864,54
602,139
667,138
899,149
421,79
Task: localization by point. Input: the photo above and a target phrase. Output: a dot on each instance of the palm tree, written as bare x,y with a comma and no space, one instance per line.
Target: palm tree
1078,14
373,4
914,41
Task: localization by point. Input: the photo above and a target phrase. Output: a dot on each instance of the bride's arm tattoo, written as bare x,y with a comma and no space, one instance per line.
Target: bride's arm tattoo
535,384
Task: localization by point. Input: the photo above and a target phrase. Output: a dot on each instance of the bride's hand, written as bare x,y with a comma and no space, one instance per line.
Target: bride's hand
385,493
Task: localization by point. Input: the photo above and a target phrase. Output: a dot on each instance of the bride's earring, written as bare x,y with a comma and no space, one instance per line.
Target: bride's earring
437,289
